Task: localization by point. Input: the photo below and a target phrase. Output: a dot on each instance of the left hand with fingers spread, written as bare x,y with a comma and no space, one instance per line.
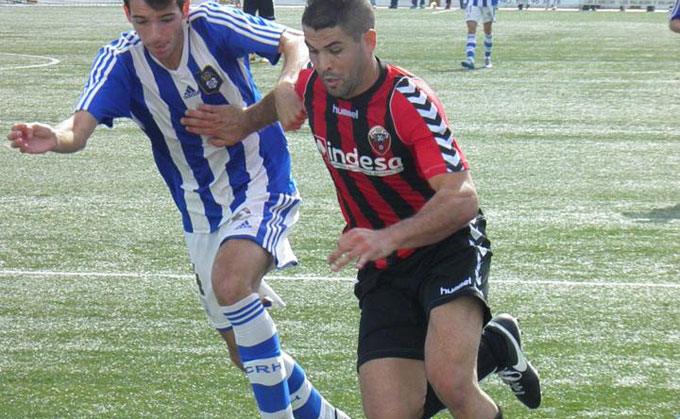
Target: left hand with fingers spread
362,244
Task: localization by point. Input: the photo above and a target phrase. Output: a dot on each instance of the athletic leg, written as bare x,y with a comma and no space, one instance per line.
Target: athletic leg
451,349
392,388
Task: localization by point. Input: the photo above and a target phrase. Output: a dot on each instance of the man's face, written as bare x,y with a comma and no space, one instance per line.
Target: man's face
160,30
339,60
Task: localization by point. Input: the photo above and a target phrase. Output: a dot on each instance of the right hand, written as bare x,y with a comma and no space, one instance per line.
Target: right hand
33,138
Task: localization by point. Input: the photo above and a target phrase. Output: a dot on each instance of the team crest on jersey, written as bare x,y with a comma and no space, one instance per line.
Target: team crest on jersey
379,139
209,81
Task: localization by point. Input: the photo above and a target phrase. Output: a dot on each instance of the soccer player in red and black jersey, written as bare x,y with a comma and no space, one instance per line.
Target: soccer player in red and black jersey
414,229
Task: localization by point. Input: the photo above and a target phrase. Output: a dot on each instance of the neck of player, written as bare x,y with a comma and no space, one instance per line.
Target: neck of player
372,73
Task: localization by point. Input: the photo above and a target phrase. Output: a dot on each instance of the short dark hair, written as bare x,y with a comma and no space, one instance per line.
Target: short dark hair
158,4
354,17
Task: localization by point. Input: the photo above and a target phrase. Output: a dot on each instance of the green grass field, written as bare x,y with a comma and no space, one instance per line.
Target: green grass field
574,145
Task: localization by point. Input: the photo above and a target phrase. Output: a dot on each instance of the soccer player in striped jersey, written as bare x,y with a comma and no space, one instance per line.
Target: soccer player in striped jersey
674,23
237,204
479,11
413,225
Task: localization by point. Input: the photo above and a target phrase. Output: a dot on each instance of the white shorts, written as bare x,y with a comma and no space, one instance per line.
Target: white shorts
480,13
264,221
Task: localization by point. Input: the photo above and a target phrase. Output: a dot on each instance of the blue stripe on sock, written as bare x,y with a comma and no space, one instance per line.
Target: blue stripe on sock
258,310
242,311
296,379
311,408
271,399
267,349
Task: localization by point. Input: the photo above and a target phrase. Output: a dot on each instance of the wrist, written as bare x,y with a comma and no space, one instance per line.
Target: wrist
391,237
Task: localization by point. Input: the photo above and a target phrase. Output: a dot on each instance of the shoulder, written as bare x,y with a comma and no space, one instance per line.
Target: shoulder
305,78
412,92
306,74
213,12
124,43
416,109
114,53
214,16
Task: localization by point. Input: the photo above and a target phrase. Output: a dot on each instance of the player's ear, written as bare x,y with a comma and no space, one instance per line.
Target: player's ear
370,39
127,12
185,8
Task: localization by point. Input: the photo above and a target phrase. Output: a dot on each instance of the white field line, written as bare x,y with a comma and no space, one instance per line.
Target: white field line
330,278
50,61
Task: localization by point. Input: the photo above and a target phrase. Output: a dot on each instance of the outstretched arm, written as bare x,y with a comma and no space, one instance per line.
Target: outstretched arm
227,125
68,136
453,205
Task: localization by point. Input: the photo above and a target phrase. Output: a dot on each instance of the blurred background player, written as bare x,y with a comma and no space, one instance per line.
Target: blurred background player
262,8
479,11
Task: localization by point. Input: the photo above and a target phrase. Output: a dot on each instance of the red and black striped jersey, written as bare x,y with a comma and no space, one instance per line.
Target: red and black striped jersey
382,146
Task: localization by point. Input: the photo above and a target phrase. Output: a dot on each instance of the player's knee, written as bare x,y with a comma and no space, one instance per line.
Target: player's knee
230,290
394,409
454,386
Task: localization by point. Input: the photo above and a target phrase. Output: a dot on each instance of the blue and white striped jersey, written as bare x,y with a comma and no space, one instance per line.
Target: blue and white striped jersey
206,182
675,11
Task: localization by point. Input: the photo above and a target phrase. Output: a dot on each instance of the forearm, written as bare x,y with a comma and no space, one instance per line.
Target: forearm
262,113
295,56
444,214
66,141
72,133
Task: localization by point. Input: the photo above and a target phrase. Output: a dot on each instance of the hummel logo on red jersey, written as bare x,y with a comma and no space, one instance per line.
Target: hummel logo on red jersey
190,92
346,112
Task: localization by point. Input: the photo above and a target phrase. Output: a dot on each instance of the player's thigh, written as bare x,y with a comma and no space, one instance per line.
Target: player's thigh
452,342
393,388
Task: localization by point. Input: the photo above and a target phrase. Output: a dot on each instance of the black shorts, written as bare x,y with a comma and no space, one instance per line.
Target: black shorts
396,302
